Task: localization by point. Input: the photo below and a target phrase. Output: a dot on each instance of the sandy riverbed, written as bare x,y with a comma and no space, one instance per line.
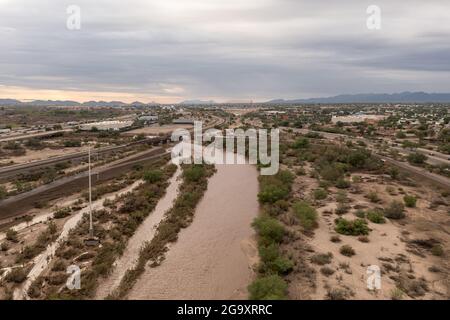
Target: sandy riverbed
213,258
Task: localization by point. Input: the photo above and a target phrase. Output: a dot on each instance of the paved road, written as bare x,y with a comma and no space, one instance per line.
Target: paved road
32,135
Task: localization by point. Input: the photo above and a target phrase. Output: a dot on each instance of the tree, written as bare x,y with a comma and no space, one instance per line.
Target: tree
153,176
417,158
271,287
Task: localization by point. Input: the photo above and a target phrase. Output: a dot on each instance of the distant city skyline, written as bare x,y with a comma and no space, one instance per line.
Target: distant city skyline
168,51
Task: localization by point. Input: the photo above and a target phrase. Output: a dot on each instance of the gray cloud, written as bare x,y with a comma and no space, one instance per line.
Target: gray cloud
230,49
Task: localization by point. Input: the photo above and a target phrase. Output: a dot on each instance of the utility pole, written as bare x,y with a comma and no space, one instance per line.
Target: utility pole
91,227
90,240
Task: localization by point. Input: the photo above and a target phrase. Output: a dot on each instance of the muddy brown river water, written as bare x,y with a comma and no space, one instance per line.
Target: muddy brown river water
214,257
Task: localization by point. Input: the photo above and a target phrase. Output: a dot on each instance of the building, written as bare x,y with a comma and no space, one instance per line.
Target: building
148,119
106,125
183,121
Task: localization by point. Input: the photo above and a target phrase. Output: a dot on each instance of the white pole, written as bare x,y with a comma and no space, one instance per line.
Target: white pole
91,228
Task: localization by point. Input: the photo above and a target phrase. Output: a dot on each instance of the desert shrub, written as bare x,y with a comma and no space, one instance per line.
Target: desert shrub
326,271
320,194
335,239
341,209
410,201
397,294
17,275
437,250
306,214
364,239
360,214
72,143
301,143
3,193
272,261
375,216
351,228
269,229
341,183
194,173
395,210
4,246
62,213
272,193
322,258
153,176
271,287
341,196
417,158
373,197
347,251
11,235
337,294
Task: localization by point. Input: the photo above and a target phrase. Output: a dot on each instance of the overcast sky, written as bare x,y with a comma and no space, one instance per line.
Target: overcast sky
226,50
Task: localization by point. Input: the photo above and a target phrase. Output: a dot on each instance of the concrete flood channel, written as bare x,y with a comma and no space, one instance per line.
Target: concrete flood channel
214,257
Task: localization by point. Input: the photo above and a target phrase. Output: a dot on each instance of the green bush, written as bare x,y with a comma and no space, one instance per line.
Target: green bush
301,143
410,201
375,216
320,194
437,250
194,173
395,210
306,214
373,197
341,183
352,228
269,229
417,158
271,287
272,193
153,176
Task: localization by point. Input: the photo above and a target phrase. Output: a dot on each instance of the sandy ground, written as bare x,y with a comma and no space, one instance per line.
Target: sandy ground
144,233
214,257
387,246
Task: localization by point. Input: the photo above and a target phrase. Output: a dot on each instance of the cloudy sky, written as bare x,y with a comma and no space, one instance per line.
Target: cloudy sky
226,50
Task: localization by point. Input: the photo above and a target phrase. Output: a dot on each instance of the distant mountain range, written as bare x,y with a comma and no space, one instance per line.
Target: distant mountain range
403,97
69,103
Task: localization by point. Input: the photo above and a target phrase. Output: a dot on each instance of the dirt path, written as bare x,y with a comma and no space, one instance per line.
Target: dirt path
213,257
144,233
